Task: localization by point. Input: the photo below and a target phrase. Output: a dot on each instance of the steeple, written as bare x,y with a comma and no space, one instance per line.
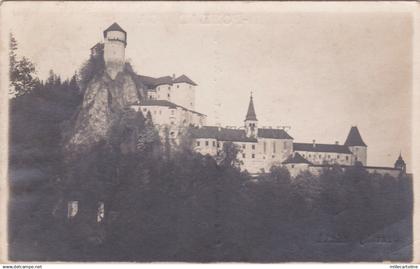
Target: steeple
400,164
250,115
251,122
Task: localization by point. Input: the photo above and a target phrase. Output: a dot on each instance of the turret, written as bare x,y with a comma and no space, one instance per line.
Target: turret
251,122
400,164
356,145
114,49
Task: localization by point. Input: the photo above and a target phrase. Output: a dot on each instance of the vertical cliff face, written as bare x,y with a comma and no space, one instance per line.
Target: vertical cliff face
103,103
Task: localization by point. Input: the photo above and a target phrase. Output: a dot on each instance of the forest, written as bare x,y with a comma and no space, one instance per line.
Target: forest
172,204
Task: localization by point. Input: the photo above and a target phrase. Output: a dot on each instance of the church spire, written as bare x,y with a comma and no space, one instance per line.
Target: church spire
250,115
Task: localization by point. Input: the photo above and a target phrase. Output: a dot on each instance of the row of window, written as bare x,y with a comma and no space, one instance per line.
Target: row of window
328,156
169,87
252,155
206,143
160,111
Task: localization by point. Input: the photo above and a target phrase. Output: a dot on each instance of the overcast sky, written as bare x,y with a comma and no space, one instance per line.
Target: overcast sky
318,72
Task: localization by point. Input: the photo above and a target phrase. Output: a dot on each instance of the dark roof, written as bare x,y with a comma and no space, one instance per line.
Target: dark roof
321,148
250,115
114,27
185,79
152,102
151,82
297,158
222,134
273,133
354,138
98,45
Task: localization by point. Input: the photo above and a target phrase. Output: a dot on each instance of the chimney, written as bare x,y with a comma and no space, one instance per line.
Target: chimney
313,143
336,142
173,76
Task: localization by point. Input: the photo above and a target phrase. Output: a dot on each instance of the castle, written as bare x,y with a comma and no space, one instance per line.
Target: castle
170,101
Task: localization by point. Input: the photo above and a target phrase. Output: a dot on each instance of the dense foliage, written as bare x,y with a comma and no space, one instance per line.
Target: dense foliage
172,204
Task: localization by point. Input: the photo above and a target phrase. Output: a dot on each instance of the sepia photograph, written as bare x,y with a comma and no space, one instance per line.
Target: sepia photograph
207,132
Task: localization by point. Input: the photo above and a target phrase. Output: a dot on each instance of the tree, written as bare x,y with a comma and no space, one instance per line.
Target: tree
21,72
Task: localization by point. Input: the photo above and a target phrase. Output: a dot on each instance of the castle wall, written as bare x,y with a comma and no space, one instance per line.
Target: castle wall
360,154
327,157
163,92
183,94
296,168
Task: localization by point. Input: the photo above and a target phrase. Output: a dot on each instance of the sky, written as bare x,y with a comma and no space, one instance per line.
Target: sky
319,68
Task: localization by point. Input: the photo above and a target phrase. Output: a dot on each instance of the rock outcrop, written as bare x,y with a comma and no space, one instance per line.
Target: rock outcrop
104,101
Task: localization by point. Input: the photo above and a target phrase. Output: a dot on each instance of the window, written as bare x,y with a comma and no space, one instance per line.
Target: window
145,109
177,86
265,147
253,156
169,96
207,143
172,112
347,158
303,155
243,155
72,209
243,146
293,166
218,144
253,146
320,156
198,143
274,146
101,212
169,87
214,143
309,155
338,156
328,156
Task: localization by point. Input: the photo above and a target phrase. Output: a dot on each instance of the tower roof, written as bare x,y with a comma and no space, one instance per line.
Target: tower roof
354,138
400,161
114,27
250,115
184,79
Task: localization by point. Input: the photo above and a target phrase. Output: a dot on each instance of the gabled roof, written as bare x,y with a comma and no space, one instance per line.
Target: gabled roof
354,138
184,79
221,134
250,115
114,27
296,158
334,148
273,133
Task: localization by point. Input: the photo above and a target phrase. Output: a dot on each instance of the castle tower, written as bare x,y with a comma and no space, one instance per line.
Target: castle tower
114,49
251,122
400,164
356,145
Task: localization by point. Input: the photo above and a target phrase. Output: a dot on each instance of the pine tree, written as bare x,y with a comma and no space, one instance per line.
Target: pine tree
21,72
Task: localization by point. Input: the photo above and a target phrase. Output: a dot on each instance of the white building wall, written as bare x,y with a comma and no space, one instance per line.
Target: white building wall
114,52
183,94
296,168
327,157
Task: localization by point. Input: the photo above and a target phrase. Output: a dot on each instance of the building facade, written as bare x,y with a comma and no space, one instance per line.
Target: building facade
170,102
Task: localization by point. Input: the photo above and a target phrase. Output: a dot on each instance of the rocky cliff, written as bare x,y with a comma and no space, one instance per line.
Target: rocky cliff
104,101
